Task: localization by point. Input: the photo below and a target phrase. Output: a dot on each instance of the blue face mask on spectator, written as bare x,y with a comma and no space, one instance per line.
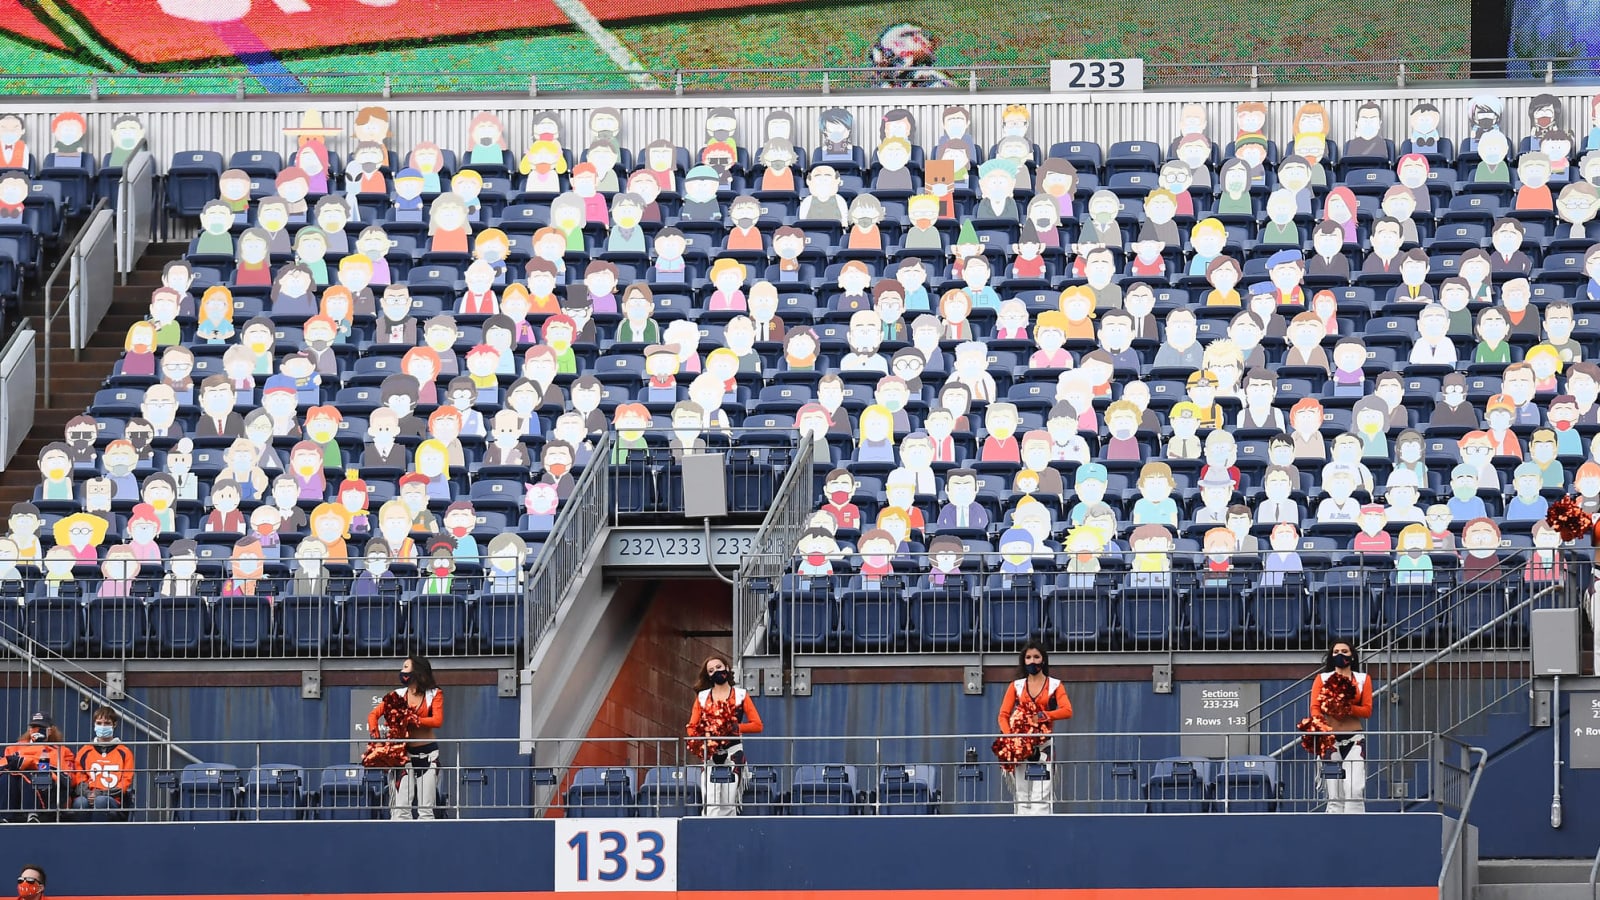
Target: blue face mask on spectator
104,732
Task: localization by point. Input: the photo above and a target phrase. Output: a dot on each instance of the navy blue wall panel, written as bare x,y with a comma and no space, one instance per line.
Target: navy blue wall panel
744,856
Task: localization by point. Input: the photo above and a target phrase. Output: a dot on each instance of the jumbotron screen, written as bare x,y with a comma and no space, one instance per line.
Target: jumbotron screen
1554,29
291,39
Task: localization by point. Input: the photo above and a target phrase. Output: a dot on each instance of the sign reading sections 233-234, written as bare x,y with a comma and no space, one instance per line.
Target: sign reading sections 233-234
607,855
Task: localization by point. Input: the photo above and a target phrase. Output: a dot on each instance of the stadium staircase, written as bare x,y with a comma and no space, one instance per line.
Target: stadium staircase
1475,688
41,678
75,380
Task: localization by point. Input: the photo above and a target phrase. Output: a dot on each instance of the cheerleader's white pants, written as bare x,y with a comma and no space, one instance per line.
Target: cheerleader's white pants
723,799
1033,797
1349,794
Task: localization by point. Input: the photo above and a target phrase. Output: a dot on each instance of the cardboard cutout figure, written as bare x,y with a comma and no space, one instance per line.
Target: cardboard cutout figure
1424,123
67,133
127,138
721,127
1546,116
838,139
14,189
14,153
1483,115
997,179
865,213
743,214
823,202
1577,206
1533,170
1369,140
486,140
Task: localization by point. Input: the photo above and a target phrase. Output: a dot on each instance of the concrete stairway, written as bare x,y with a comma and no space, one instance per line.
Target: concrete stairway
74,381
1533,879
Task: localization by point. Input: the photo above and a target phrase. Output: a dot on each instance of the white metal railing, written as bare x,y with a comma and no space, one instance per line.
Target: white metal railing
824,80
19,385
88,267
1088,773
136,209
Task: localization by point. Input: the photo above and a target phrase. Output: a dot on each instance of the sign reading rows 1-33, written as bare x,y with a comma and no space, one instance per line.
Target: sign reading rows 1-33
606,855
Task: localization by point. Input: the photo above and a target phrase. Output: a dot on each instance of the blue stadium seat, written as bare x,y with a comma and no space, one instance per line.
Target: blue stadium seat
178,625
601,792
500,624
309,624
1247,784
56,623
350,793
440,624
275,792
1179,784
908,790
824,790
192,181
116,626
670,792
208,792
763,792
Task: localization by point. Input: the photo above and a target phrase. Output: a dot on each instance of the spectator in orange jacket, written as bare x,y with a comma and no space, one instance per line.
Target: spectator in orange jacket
1347,794
30,882
102,772
1048,698
39,749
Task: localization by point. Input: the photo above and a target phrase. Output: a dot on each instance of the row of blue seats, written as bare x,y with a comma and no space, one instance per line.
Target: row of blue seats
1109,610
1176,784
372,625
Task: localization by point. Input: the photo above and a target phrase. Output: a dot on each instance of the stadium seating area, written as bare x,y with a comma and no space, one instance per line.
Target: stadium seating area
39,194
1062,377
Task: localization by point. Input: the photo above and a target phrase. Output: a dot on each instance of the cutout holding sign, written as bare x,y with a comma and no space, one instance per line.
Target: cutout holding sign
1216,719
610,855
1096,75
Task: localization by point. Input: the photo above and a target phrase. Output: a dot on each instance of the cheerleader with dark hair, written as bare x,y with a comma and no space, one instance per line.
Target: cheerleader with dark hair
723,712
1033,703
1341,702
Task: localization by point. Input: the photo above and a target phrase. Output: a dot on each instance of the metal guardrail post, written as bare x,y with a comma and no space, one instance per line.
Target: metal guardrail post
239,91
388,85
1255,76
825,82
1549,71
94,87
533,85
1400,75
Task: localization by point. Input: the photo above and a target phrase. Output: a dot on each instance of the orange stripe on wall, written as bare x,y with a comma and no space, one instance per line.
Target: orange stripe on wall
1301,893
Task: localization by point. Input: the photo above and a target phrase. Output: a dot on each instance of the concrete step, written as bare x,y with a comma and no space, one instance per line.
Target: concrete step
1534,871
1534,891
1533,879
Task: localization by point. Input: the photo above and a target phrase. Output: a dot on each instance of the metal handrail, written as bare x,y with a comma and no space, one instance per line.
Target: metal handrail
1466,806
64,264
159,733
1594,874
824,79
1389,686
1384,639
595,473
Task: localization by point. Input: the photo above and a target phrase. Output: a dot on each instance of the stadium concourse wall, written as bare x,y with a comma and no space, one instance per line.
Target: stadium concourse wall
257,123
1236,857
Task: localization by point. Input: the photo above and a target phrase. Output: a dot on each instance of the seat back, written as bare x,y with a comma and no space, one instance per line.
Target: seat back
208,792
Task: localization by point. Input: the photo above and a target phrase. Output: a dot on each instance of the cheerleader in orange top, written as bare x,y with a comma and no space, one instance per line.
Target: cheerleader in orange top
1034,702
722,710
1345,720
